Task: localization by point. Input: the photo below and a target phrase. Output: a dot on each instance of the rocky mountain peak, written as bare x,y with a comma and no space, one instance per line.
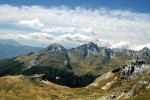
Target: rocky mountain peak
145,49
92,47
91,44
144,54
55,47
55,55
85,49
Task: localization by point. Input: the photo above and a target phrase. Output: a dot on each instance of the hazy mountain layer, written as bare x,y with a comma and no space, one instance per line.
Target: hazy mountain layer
10,48
8,51
9,42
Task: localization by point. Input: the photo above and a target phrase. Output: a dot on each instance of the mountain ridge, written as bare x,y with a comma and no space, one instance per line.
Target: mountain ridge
103,74
87,58
98,60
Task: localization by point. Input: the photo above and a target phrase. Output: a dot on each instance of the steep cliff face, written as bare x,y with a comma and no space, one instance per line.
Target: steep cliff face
134,69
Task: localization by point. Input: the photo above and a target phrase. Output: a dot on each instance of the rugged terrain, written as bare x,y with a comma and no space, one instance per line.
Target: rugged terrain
92,72
86,59
121,83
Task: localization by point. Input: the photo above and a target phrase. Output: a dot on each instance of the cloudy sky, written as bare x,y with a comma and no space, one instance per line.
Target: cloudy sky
110,23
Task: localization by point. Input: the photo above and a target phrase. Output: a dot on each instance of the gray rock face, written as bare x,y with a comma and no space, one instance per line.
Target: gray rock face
143,54
38,77
54,48
85,49
107,53
133,69
92,48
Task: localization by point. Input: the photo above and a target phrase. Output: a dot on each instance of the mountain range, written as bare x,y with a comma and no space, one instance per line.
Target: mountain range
91,71
10,48
9,42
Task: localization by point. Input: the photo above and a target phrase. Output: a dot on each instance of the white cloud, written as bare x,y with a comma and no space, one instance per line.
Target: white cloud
139,47
35,23
39,37
58,29
121,45
103,26
42,35
78,38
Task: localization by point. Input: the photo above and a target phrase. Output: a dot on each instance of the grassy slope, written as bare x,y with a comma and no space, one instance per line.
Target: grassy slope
56,60
22,88
95,63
